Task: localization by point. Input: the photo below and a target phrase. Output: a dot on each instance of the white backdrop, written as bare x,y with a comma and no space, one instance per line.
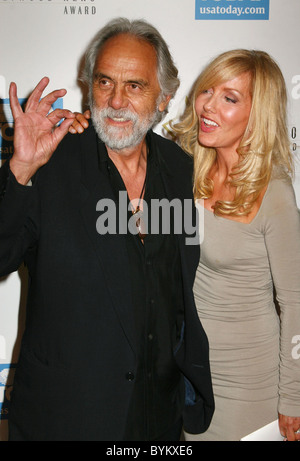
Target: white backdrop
49,37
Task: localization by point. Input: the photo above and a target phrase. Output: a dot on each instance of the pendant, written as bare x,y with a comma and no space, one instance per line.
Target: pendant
140,223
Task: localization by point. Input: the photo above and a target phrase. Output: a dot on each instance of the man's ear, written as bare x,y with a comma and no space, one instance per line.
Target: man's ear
164,102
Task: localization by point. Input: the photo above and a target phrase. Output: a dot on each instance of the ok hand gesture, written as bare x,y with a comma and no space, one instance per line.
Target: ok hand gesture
36,134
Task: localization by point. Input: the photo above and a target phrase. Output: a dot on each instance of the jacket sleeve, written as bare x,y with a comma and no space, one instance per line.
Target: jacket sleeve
18,220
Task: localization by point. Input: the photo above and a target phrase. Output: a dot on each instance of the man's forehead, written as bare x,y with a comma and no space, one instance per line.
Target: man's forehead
127,58
127,50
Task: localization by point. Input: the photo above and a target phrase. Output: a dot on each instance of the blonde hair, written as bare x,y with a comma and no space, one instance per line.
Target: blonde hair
264,149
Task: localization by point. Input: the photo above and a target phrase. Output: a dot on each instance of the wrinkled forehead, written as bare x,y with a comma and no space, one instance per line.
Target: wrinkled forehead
125,46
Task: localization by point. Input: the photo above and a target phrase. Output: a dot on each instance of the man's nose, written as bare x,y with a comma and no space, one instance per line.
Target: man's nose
118,98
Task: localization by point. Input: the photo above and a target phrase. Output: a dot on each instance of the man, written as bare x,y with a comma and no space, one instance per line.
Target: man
113,348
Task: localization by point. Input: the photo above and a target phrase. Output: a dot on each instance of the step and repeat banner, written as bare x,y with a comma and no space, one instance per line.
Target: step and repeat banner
49,37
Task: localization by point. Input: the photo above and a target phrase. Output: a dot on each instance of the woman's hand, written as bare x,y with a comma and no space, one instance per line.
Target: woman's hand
289,427
36,133
80,122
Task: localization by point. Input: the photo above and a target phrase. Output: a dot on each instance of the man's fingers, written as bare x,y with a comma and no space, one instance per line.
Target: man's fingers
16,109
46,103
82,119
34,98
36,103
61,130
43,105
87,113
59,114
80,122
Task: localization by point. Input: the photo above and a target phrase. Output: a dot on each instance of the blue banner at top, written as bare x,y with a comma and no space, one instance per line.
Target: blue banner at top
232,9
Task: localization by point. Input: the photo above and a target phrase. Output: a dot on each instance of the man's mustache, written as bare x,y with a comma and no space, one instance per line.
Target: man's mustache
120,114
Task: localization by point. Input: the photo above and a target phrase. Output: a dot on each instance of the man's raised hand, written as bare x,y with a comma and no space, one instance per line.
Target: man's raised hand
36,133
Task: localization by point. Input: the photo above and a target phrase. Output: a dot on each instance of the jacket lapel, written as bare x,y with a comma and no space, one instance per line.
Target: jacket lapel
178,184
110,249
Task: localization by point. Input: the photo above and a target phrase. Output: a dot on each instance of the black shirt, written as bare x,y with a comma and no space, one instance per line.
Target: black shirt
155,269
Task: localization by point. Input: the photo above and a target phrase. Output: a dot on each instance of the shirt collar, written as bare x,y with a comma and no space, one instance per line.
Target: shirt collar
104,159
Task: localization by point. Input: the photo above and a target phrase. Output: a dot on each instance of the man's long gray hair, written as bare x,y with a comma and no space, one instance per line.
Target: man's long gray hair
167,72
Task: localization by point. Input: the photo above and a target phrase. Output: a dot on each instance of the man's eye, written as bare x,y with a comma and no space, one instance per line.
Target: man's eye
134,86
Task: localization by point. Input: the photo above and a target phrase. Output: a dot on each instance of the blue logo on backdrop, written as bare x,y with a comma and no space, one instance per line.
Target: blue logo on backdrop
232,9
7,372
6,125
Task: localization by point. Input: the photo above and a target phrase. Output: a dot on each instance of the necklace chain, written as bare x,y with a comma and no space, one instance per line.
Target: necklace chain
140,222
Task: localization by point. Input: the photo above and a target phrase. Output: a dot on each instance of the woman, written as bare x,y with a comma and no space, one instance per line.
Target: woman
235,128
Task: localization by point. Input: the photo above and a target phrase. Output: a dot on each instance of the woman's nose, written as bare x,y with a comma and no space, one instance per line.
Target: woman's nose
210,104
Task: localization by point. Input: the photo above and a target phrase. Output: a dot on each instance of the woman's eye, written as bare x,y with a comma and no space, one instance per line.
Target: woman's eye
230,100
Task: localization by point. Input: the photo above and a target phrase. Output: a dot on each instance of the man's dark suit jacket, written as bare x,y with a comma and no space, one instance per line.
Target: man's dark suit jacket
77,361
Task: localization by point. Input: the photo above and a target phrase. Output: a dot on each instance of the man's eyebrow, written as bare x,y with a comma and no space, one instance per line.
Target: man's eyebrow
99,75
141,82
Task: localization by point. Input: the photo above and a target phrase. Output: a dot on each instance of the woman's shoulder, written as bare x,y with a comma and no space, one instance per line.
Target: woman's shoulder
281,190
279,200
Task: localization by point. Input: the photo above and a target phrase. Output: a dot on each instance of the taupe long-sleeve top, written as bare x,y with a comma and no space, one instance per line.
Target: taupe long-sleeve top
254,354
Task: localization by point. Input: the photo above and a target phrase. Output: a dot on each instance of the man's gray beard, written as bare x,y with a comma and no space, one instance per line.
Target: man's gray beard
118,138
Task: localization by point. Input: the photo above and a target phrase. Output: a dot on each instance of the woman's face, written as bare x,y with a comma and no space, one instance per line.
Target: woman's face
223,113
